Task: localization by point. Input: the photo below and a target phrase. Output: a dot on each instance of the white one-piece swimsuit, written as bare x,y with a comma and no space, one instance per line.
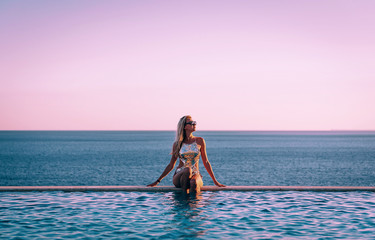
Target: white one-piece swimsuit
189,156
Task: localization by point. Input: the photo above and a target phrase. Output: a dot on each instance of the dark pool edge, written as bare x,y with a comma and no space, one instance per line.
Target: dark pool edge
173,189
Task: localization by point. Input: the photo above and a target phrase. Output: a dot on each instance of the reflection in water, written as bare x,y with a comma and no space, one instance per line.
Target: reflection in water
223,215
188,213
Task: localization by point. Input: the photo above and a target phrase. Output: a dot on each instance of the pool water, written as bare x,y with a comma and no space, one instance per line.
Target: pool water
173,215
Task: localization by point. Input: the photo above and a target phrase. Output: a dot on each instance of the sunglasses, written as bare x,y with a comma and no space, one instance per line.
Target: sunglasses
191,123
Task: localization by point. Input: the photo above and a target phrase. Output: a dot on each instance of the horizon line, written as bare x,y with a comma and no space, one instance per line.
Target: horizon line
222,130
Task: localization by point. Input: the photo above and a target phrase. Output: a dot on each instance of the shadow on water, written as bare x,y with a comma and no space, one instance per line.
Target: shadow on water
188,211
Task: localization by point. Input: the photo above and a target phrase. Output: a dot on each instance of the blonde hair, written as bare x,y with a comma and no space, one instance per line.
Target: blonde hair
180,135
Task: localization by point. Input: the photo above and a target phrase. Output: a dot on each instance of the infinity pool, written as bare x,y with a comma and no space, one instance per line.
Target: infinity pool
209,215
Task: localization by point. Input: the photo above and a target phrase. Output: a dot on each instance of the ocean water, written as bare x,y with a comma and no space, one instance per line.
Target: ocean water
173,215
139,157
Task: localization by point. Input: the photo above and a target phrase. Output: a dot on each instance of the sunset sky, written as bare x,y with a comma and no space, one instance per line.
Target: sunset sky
232,65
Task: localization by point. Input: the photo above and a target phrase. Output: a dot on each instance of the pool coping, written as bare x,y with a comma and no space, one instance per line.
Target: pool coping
172,189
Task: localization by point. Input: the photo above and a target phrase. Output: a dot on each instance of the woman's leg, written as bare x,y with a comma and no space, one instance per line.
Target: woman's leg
176,179
196,183
182,179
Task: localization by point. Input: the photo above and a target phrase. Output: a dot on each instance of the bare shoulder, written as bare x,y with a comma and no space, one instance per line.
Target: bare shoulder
200,141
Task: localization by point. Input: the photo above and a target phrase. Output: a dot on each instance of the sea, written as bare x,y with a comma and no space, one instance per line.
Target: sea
264,158
327,158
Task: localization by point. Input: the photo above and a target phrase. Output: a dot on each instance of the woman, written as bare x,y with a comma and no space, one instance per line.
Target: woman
188,148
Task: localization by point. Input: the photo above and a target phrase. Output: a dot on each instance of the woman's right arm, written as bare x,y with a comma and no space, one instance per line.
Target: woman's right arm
167,170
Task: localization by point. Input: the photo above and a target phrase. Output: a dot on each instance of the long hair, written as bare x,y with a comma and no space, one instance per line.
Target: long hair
180,136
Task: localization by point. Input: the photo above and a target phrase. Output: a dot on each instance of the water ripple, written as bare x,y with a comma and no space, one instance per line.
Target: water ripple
111,215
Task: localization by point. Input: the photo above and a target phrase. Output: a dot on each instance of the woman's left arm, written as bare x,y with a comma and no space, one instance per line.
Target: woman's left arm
207,164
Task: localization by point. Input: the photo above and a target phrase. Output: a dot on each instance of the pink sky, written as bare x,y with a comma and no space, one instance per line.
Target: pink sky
232,65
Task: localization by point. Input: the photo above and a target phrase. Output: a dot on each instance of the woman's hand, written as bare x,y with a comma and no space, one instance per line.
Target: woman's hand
153,184
219,184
